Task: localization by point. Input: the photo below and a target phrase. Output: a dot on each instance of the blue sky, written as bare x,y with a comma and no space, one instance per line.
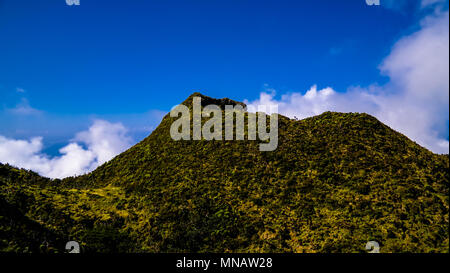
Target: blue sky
130,56
62,67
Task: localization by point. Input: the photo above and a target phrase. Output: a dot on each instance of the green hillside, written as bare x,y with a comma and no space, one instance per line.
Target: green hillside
335,182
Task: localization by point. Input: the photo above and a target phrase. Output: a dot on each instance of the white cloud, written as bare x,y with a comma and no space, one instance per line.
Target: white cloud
313,102
414,102
427,3
412,5
420,62
103,141
24,108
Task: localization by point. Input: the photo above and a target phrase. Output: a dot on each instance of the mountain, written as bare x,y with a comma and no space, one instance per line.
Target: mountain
335,182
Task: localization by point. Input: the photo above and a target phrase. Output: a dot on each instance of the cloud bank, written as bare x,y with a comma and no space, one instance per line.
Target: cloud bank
89,149
413,102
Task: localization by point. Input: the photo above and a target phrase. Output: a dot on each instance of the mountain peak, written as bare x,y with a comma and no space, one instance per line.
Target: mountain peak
206,100
344,170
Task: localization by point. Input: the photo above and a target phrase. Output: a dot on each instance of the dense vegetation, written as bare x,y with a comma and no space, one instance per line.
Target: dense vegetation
335,182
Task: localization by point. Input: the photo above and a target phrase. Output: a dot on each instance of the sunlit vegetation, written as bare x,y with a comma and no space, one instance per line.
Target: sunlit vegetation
335,182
